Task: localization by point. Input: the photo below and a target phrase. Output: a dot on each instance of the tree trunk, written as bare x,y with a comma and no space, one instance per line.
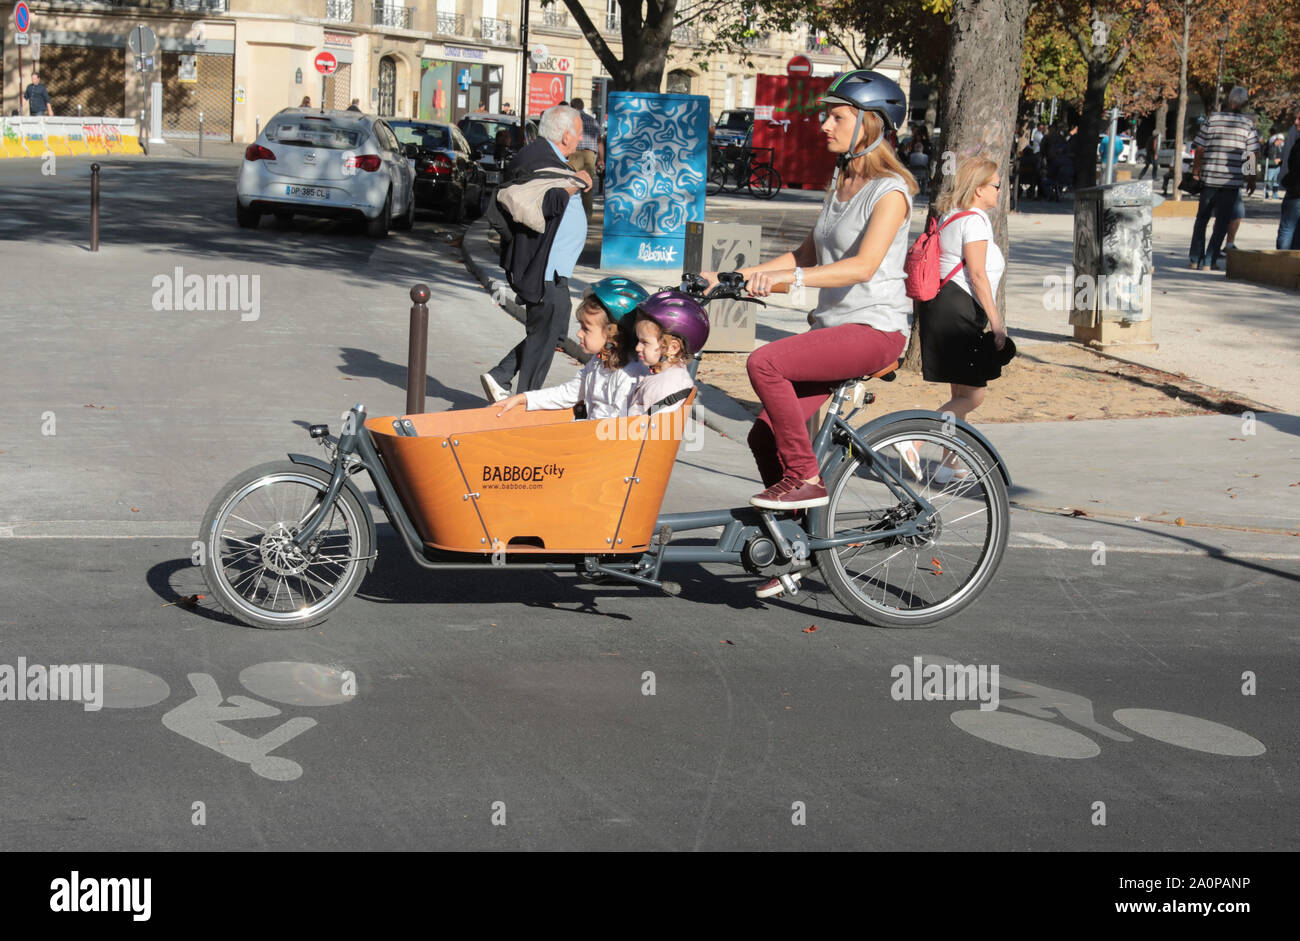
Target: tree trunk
1090,125
1181,123
981,93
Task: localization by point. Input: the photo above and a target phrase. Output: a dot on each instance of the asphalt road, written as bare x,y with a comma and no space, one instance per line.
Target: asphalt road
514,711
530,690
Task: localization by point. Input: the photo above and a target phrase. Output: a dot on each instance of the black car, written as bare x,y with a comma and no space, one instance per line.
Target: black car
448,177
499,137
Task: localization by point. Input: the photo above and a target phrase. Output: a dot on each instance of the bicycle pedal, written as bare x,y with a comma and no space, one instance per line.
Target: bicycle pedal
791,585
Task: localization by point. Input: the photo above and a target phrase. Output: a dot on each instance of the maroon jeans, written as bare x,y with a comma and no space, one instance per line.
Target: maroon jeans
794,376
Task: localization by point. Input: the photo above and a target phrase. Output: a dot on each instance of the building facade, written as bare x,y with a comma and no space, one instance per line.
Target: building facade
240,61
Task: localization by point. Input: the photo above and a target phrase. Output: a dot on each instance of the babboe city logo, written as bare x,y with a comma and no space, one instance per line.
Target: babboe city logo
646,251
517,477
933,681
78,894
77,682
213,292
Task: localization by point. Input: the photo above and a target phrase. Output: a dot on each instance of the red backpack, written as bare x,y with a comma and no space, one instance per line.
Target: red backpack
921,266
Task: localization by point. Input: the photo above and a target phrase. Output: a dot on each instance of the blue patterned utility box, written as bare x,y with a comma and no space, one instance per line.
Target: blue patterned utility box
656,160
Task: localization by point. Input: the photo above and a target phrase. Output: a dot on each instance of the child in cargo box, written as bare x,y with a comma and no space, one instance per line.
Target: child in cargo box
605,384
670,326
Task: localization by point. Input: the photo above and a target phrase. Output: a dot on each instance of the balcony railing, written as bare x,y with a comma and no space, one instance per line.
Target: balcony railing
761,41
450,24
338,10
201,6
494,30
392,16
613,21
815,44
556,19
687,35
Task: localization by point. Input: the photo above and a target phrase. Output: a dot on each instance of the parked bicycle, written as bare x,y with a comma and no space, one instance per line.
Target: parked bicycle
737,167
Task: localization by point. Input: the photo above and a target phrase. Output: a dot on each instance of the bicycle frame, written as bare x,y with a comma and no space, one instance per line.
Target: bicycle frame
835,441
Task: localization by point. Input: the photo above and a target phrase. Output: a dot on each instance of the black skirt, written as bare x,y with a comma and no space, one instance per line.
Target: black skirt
950,330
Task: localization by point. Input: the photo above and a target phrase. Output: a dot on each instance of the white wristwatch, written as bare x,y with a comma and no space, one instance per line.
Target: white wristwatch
798,277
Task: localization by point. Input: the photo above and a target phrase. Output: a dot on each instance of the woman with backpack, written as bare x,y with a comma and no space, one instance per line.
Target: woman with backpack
954,348
854,255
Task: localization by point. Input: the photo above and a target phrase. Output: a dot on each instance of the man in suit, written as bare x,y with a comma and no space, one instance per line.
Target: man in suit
538,265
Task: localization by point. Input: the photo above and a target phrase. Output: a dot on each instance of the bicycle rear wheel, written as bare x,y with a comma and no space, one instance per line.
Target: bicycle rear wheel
915,580
764,182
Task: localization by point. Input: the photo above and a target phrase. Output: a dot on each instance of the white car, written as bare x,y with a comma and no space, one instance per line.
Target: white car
334,164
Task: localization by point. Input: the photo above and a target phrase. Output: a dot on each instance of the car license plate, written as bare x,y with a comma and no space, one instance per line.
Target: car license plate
493,178
311,192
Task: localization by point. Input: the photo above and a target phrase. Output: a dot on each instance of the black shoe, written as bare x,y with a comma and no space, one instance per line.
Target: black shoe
1214,265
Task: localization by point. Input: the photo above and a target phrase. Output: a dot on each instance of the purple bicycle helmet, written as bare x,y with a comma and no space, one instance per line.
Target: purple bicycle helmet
679,314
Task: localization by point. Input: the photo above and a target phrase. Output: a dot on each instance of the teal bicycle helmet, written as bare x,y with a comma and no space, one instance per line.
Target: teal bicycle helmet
618,296
868,91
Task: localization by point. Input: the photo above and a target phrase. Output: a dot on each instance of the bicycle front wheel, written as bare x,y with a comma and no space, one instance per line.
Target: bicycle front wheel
932,573
764,182
717,181
251,564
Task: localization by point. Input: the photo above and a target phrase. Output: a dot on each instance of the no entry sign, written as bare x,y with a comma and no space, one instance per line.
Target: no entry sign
799,67
326,64
22,17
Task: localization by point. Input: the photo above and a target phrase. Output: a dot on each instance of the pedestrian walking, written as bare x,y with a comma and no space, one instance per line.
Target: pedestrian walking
590,155
1225,142
38,98
356,105
1273,165
954,346
1150,156
919,164
538,265
1288,228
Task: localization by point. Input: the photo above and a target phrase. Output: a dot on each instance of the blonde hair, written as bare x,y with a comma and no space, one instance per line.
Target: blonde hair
958,191
882,161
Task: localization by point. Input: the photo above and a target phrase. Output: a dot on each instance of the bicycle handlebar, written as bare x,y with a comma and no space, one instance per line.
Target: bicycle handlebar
730,286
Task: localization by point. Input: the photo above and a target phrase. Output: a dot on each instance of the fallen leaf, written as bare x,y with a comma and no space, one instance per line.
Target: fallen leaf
1236,439
810,628
135,509
188,601
348,378
90,405
727,642
1078,513
1180,522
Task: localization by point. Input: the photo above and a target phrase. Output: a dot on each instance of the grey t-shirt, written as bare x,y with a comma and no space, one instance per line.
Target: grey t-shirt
881,302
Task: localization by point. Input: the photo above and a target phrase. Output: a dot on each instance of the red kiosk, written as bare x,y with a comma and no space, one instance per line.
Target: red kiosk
786,118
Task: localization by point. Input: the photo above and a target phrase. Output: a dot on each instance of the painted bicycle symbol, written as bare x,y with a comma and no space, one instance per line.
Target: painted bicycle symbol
203,718
1035,730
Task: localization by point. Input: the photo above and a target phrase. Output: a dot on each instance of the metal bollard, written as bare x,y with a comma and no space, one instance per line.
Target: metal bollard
418,352
94,207
200,133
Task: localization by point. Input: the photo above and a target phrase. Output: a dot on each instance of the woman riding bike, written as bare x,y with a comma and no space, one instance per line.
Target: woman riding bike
854,255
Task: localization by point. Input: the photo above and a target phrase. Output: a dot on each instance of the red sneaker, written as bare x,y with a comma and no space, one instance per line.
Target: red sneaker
791,493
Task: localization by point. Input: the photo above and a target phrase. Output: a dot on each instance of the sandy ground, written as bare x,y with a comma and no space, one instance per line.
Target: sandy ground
1045,382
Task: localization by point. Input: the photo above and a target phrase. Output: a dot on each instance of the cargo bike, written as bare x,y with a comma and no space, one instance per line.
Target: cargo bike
909,536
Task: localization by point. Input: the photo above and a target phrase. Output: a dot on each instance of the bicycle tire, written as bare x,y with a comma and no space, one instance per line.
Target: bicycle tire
932,574
764,182
234,542
717,181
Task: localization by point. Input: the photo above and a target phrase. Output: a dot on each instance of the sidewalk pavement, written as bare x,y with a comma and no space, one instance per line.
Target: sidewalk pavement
1228,478
156,409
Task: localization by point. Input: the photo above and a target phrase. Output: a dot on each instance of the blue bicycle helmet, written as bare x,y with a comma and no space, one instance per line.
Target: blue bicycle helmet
868,91
618,295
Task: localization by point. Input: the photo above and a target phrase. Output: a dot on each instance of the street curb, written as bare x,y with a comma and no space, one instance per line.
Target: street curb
715,409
